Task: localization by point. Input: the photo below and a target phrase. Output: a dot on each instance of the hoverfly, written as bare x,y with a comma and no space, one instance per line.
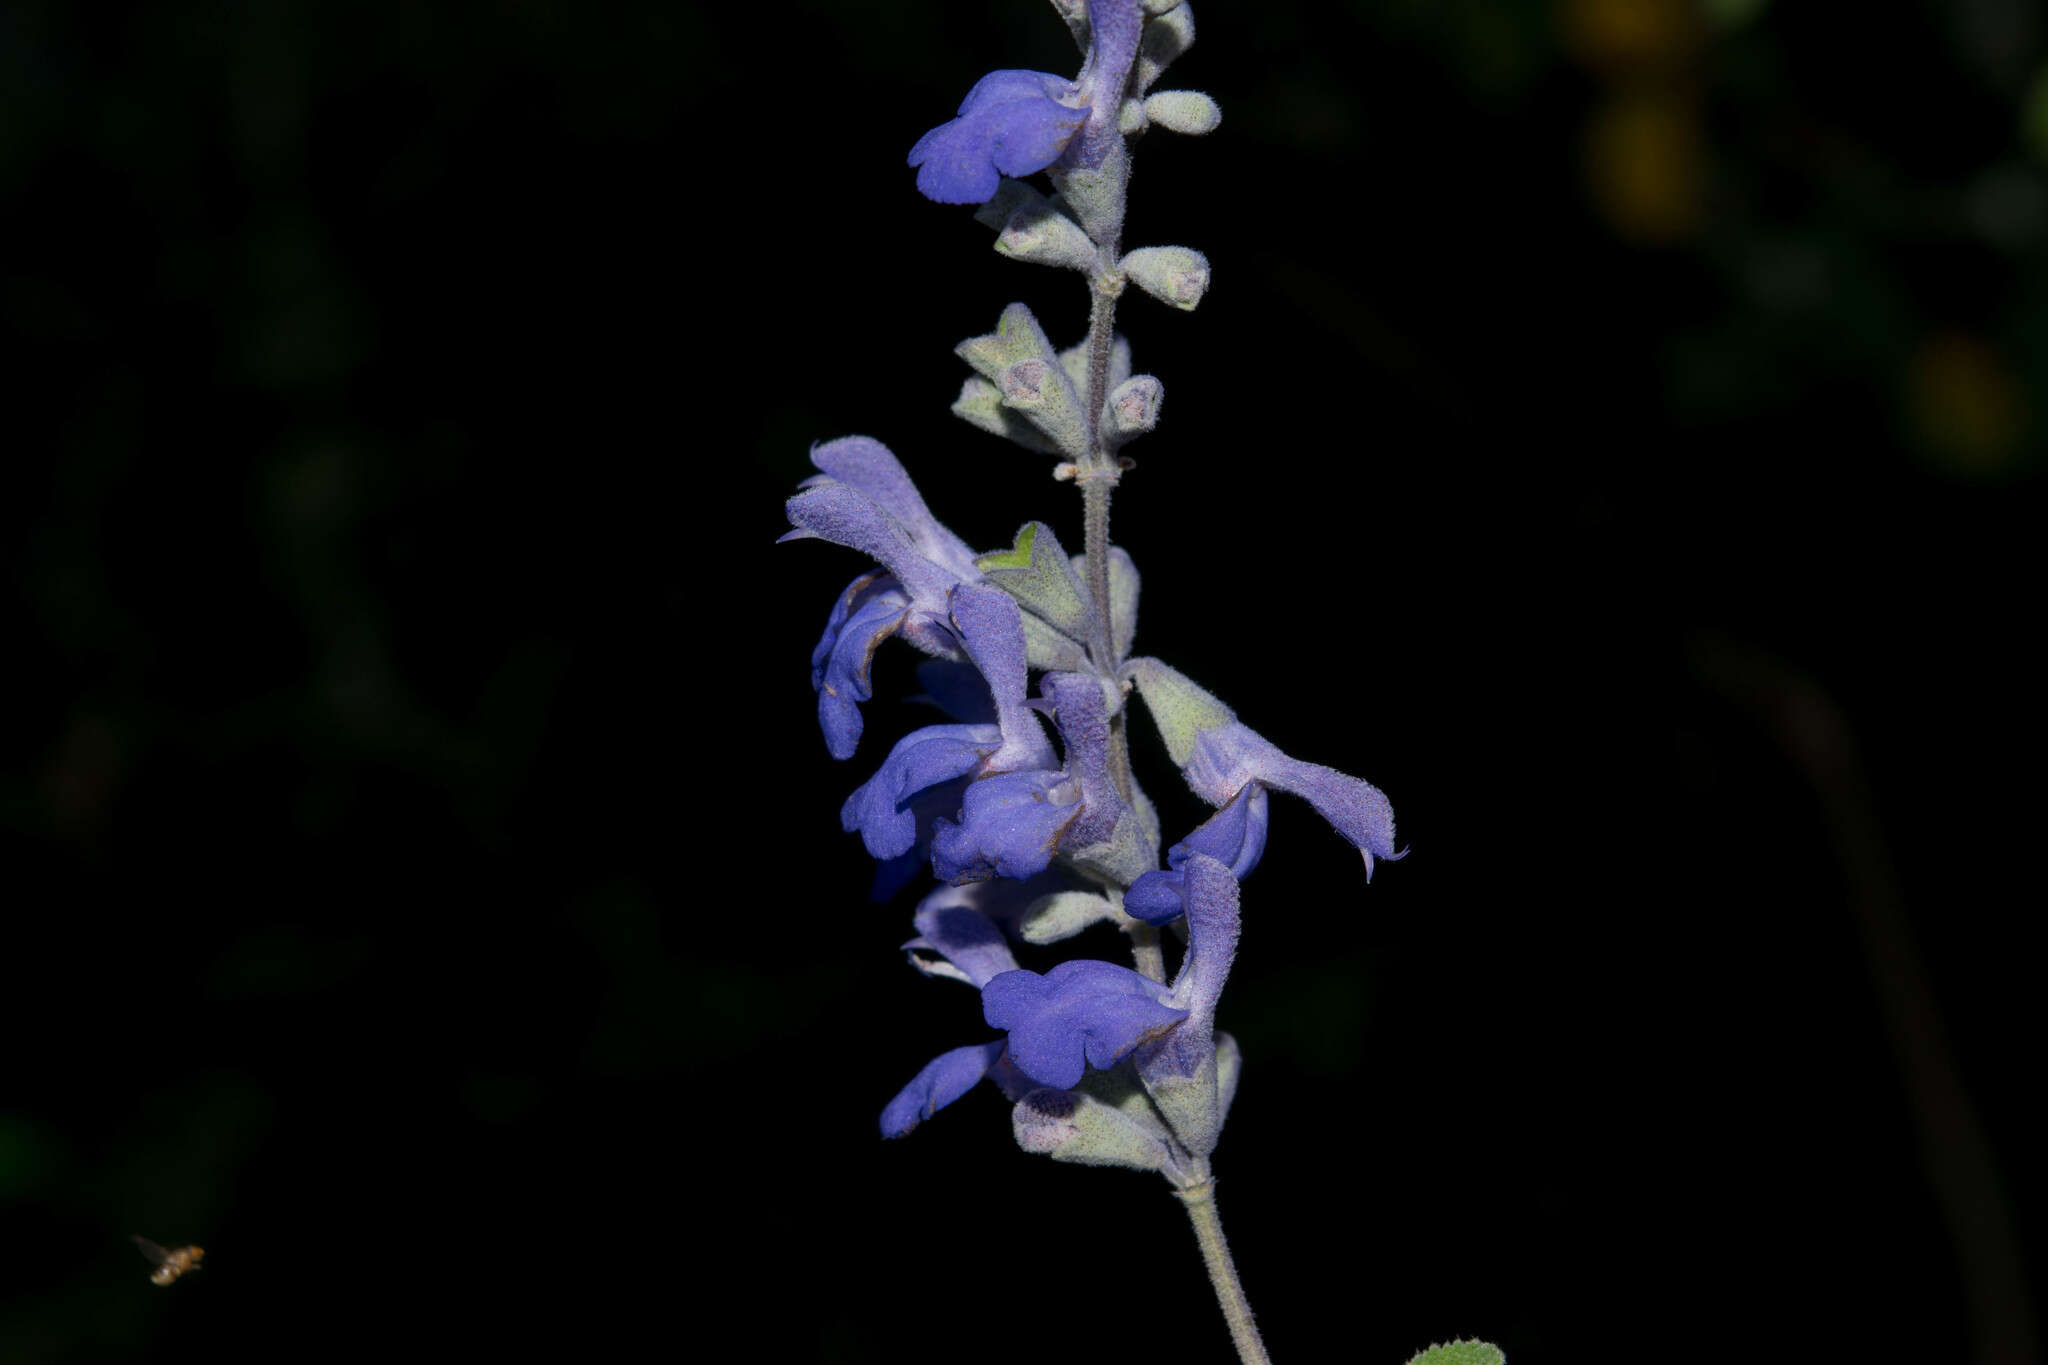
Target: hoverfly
169,1264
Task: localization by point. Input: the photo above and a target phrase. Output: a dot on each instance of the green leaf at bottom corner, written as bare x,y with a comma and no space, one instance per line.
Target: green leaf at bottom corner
1461,1353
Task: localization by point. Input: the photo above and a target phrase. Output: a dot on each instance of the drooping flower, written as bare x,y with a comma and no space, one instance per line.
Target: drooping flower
1017,122
1218,756
945,1078
963,944
882,808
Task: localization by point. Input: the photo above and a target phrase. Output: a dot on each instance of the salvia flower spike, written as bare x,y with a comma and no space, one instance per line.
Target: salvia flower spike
1022,803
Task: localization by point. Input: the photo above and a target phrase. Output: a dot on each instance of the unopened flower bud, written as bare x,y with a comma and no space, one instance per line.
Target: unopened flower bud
1043,235
1171,274
1183,111
1133,408
980,404
1017,337
1039,389
1025,384
1068,1125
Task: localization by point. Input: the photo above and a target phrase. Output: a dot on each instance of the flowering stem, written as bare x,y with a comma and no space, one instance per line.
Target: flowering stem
1099,477
1200,1201
1149,956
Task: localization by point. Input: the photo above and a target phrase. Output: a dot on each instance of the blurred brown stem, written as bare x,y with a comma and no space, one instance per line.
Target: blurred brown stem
1960,1165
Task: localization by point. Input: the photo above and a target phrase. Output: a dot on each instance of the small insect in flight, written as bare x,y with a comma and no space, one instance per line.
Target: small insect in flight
169,1264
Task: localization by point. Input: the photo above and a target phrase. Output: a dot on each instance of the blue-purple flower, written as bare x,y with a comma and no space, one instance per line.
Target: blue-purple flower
1012,824
1086,1013
1017,122
1080,1014
1218,755
956,939
863,499
930,592
1011,123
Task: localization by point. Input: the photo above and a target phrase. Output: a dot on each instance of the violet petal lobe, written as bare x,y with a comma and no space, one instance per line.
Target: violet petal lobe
1082,715
1355,808
882,807
991,630
1180,1070
944,1079
1218,754
858,593
862,499
964,936
871,468
1011,123
1234,836
1080,1014
1214,923
926,809
846,516
843,682
1010,824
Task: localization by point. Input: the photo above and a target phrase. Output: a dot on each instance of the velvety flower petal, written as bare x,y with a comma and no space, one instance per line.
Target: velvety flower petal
991,630
1213,926
1234,836
966,938
1079,1012
870,468
1011,123
1355,809
862,499
843,681
1082,713
1218,755
881,808
1009,826
944,1079
846,516
1180,1069
858,592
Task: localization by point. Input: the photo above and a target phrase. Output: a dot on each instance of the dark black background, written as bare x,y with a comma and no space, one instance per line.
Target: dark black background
1614,430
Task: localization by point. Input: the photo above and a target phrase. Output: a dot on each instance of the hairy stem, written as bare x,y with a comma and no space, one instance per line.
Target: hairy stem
1200,1201
1098,476
1146,950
